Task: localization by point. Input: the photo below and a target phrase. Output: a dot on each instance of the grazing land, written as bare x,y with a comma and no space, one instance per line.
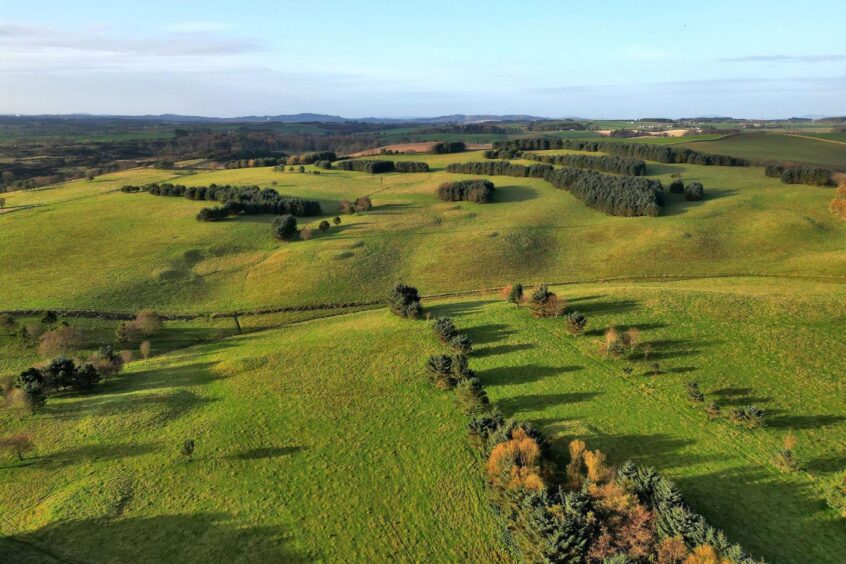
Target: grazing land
317,435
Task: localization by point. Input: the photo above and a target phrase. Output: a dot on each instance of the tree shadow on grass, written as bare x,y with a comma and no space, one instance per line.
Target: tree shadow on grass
163,408
91,453
733,397
196,537
502,349
534,402
265,452
803,421
513,193
490,333
675,204
827,464
611,306
513,375
458,309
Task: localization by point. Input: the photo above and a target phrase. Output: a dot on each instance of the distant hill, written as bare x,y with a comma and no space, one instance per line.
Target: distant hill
290,118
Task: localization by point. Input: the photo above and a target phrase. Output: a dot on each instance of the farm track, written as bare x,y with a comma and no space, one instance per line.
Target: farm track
375,304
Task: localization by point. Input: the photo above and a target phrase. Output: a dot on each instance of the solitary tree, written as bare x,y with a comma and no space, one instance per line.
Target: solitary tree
144,349
324,225
284,227
148,322
19,443
188,449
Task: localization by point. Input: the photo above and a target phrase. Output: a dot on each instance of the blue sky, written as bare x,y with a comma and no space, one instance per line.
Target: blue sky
610,58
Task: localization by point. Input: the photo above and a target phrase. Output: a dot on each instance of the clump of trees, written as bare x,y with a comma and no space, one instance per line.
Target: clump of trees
813,176
646,151
60,340
404,301
613,194
411,166
310,158
605,163
378,166
749,416
358,205
576,322
507,154
544,303
445,147
249,200
479,191
284,227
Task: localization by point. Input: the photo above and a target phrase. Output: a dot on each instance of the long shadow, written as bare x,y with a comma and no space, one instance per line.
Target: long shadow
803,421
196,374
827,464
265,452
502,349
163,408
732,397
458,309
195,537
512,375
508,194
617,306
675,204
482,334
91,453
532,402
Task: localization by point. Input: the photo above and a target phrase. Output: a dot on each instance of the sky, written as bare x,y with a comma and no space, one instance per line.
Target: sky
599,59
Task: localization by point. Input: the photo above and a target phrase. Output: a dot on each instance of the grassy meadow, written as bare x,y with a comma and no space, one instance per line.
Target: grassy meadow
318,436
791,149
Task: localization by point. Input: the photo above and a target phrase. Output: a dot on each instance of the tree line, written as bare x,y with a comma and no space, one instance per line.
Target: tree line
479,191
249,200
605,163
813,176
647,151
615,195
378,166
586,511
445,147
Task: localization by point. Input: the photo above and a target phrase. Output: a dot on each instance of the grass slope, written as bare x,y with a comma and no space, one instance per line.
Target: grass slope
317,441
790,149
146,251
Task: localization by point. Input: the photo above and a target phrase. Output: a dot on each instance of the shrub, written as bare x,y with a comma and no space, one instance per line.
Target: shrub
694,191
336,220
284,227
107,362
148,322
483,425
544,303
31,383
444,329
59,373
324,225
677,186
144,349
363,204
471,396
85,378
614,345
187,450
514,293
748,416
60,340
461,367
713,410
405,301
461,344
694,394
439,368
785,458
576,322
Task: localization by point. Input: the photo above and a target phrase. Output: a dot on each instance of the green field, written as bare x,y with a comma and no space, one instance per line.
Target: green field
318,435
772,147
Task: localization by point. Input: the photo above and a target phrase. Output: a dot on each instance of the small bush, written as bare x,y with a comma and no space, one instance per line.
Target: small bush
148,322
363,204
405,301
336,220
749,416
284,227
545,303
785,458
471,396
713,410
694,394
461,367
187,450
62,340
484,425
677,186
324,225
439,367
461,344
694,191
576,322
513,293
444,329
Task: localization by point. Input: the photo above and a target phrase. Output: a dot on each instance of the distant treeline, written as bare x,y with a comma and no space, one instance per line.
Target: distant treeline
649,152
557,125
377,167
616,195
249,200
448,147
473,128
812,176
604,163
479,191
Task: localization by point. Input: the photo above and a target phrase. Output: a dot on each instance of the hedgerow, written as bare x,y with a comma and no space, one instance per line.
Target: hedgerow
586,511
613,194
249,200
478,191
650,152
377,167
